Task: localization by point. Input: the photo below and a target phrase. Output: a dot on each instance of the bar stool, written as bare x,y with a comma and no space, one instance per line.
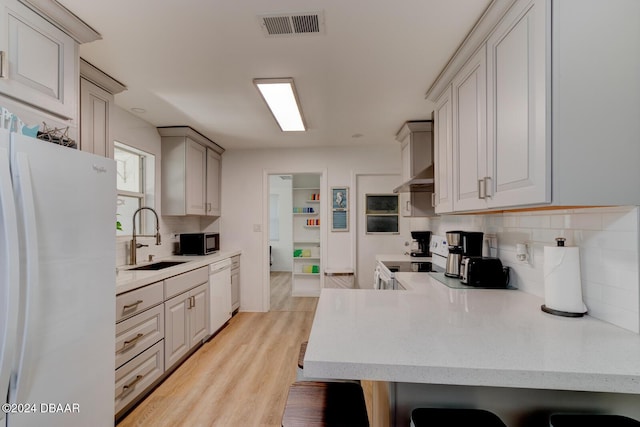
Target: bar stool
320,404
459,417
591,420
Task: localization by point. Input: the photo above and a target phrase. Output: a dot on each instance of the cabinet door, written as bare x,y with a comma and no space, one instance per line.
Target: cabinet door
196,167
95,104
176,314
517,146
41,67
443,153
214,161
198,314
469,136
235,289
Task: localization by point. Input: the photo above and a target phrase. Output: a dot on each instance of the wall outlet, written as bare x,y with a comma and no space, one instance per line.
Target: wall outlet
257,228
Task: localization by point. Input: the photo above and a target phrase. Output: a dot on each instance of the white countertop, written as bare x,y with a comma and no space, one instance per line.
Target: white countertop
128,280
433,334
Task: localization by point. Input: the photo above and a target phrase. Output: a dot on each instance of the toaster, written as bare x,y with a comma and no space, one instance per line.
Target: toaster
484,272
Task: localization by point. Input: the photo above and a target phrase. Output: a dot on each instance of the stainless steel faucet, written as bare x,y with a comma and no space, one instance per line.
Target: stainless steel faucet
135,245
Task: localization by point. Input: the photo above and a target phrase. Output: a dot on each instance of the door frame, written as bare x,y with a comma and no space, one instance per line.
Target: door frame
266,173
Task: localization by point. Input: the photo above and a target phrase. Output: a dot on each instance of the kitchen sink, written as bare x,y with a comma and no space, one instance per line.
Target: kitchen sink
158,265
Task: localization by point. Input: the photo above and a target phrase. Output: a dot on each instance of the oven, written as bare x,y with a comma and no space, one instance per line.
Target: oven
384,275
386,270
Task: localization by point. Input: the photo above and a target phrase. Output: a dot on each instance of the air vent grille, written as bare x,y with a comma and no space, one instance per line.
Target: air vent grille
292,24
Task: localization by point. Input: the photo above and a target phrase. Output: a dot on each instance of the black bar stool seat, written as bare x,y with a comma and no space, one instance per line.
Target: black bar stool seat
591,420
325,404
459,417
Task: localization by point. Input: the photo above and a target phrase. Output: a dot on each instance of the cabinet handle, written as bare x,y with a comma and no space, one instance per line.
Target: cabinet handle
130,342
3,65
128,388
193,301
130,306
433,200
208,207
486,192
480,185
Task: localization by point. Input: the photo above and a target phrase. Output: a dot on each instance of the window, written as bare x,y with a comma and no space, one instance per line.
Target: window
382,213
135,178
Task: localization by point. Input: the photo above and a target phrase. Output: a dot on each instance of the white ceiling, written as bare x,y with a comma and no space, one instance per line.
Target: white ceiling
192,62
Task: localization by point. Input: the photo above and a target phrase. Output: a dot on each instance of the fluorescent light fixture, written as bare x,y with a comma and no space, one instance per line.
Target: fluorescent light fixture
282,100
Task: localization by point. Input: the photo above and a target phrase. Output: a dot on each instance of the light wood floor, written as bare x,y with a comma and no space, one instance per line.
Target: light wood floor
241,376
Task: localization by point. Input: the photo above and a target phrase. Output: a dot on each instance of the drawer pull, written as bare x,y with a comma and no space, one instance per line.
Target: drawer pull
130,306
3,65
130,342
128,388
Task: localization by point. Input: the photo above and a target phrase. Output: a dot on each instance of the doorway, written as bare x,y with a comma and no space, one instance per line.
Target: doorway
294,241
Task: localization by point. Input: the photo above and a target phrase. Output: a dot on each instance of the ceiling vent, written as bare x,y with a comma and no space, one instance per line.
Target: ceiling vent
292,24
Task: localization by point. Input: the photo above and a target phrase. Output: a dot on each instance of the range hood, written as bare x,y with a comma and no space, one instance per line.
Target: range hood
421,183
417,156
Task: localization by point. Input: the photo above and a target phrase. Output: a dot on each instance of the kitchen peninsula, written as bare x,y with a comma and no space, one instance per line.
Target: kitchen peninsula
493,349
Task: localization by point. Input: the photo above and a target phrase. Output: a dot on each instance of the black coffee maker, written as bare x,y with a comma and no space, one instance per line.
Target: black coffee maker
423,239
461,244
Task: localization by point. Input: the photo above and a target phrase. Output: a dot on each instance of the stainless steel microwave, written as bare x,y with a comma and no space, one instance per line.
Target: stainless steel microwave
199,243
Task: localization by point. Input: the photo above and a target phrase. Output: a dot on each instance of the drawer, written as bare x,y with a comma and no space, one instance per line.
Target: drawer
235,261
183,282
137,333
134,377
138,300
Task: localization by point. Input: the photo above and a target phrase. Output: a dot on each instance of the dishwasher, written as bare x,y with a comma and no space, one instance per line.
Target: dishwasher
219,294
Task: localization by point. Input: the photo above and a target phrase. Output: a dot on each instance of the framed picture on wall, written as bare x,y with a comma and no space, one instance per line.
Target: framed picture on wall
339,208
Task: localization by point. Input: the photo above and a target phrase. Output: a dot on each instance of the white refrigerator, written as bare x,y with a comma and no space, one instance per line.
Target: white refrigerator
57,285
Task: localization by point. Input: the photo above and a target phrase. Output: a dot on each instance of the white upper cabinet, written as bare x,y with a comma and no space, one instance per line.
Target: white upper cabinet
469,134
97,91
214,162
191,167
443,153
531,64
39,61
518,170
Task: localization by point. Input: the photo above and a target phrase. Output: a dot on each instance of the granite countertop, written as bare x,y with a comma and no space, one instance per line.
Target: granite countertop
484,337
128,280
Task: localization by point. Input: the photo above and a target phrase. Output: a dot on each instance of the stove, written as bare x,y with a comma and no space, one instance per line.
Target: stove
412,267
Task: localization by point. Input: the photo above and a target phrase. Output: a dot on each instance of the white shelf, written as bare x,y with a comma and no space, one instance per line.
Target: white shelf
306,236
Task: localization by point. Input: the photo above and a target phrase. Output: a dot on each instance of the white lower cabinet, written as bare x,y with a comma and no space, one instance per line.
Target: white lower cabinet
138,333
186,323
157,325
135,376
235,283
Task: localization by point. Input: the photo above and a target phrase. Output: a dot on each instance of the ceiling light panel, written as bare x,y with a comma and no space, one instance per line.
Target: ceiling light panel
281,98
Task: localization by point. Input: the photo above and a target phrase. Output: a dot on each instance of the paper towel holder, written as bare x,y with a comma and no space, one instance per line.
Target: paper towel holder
560,242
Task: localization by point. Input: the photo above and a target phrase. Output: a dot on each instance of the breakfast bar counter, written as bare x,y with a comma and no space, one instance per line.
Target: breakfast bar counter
481,337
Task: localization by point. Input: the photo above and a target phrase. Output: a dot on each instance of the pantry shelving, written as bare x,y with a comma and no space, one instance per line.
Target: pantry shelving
307,260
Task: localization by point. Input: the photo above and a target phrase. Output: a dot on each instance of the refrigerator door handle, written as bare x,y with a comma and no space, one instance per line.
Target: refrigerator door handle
10,278
24,190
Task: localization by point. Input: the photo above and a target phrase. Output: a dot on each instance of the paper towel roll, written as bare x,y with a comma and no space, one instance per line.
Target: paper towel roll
562,284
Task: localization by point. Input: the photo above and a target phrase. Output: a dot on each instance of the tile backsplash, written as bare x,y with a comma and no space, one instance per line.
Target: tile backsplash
608,239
